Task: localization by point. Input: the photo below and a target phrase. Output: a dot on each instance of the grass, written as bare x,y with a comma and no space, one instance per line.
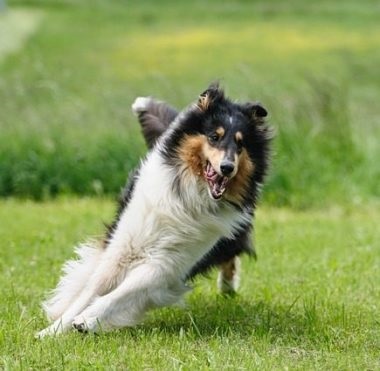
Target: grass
15,28
66,91
310,302
69,71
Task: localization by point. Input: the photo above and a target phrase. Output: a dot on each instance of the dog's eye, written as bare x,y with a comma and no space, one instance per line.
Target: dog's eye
213,138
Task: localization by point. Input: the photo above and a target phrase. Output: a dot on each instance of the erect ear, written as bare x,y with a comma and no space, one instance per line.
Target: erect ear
213,94
255,110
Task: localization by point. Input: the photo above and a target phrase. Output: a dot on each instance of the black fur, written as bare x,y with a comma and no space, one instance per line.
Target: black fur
155,120
124,199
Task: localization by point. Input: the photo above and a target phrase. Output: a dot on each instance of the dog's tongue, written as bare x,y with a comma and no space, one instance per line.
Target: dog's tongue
216,182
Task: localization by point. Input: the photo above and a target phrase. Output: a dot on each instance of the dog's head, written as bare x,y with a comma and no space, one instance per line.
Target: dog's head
221,142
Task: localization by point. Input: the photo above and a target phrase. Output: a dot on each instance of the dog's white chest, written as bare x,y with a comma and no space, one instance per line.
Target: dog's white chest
159,224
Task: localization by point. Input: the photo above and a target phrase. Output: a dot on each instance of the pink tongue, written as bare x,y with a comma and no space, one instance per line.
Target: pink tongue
210,172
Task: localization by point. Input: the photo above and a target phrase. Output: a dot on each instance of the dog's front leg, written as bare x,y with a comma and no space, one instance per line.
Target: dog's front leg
100,282
143,288
63,324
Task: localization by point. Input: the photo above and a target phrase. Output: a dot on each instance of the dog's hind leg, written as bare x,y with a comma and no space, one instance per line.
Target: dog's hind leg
75,276
229,276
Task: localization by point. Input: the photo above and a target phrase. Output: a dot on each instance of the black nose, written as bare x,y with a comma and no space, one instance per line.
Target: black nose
227,167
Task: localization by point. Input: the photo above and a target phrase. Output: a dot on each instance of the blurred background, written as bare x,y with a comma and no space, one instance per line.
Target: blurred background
70,69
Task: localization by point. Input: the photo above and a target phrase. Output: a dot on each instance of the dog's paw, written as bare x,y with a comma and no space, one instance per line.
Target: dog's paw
43,333
80,327
85,325
49,331
227,286
140,105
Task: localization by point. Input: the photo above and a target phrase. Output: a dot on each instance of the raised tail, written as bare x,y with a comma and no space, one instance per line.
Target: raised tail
154,116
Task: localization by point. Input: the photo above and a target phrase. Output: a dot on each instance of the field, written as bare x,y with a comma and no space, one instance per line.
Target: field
69,72
310,302
72,70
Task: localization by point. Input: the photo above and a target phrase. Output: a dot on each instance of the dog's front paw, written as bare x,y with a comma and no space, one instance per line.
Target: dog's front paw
80,327
52,330
43,333
83,324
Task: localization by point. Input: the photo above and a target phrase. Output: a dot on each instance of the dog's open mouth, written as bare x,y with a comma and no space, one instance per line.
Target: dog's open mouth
217,183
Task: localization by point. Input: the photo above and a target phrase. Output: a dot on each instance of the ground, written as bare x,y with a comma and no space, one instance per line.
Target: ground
311,301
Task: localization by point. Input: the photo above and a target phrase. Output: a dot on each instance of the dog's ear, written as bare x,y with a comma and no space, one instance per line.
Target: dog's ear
212,95
256,111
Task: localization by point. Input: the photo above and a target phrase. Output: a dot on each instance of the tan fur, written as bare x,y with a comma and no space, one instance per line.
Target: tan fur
220,131
204,102
214,155
191,153
228,269
228,278
238,185
238,136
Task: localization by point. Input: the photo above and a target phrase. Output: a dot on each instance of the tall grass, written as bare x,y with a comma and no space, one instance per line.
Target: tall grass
65,120
42,168
316,155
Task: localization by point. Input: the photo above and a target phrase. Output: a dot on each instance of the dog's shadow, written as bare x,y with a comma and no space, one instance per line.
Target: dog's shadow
222,316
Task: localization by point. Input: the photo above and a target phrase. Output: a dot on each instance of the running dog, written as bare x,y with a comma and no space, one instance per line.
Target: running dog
192,198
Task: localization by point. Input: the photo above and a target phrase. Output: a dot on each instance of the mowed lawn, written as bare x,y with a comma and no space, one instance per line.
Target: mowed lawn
311,301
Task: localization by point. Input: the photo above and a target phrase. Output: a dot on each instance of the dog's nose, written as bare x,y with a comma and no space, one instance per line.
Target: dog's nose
227,167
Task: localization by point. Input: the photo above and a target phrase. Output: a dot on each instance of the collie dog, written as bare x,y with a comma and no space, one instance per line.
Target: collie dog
189,206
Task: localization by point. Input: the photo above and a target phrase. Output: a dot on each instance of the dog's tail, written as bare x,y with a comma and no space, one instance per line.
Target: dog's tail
154,116
76,274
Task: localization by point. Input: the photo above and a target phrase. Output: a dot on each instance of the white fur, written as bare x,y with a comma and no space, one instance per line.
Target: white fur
158,238
75,275
141,104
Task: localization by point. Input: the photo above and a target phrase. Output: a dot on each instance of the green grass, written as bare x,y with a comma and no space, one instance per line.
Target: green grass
310,302
15,28
65,91
69,71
